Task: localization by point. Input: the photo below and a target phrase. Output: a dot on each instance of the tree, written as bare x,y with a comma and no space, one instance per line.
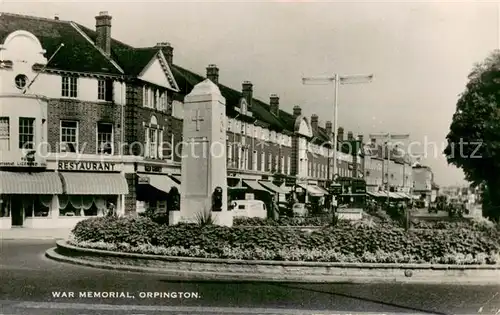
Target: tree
474,136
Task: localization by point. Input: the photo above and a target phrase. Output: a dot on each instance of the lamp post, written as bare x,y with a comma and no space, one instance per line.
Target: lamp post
337,80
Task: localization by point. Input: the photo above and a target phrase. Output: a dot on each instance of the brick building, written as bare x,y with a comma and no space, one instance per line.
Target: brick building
102,122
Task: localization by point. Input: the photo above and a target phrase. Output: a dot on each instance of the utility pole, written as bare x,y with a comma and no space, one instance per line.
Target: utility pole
337,80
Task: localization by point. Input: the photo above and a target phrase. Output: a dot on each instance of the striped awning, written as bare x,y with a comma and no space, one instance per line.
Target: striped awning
373,194
272,187
160,182
313,190
253,184
43,183
322,190
94,183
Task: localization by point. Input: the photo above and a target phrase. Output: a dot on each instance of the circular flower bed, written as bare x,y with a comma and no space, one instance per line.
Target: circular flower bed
349,243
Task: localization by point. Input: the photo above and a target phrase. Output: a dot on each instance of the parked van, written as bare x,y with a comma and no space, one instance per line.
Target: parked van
249,208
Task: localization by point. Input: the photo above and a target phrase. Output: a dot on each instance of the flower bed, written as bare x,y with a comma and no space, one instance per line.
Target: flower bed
345,244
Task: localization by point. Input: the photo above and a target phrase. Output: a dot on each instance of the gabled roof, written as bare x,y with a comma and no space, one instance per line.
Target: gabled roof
78,53
284,122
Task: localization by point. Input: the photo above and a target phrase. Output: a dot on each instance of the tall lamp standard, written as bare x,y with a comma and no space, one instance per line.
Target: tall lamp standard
337,80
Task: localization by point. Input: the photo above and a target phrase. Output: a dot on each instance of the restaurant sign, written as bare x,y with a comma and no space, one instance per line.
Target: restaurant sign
86,166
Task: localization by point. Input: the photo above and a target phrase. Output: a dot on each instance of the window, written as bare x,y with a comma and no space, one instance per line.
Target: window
145,96
104,138
21,80
155,99
229,154
254,160
4,134
269,162
69,87
69,136
262,161
282,166
153,143
289,165
105,90
26,133
241,158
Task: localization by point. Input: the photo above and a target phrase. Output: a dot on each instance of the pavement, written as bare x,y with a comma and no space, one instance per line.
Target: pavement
20,233
33,284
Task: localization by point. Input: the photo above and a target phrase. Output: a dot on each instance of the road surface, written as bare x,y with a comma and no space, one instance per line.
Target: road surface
33,284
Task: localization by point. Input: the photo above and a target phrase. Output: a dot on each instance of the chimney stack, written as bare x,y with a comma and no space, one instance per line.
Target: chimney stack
314,122
213,73
297,111
360,138
168,51
350,136
328,128
274,102
103,30
247,91
56,17
340,134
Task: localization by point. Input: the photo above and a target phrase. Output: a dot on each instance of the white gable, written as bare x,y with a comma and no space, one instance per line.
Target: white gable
304,128
155,73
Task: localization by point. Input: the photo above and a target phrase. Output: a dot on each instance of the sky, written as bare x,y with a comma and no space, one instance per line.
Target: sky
420,54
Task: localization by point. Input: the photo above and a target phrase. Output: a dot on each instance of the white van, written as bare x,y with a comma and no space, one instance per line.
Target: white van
249,208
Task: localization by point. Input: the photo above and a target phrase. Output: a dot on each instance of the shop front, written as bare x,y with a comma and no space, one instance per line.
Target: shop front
91,188
28,199
155,185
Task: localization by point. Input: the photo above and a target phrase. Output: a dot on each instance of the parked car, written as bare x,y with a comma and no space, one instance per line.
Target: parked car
249,208
300,210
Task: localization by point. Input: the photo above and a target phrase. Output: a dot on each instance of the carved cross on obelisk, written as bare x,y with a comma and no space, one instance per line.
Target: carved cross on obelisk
197,118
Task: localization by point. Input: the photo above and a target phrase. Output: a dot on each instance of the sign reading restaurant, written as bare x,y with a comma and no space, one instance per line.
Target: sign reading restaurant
86,166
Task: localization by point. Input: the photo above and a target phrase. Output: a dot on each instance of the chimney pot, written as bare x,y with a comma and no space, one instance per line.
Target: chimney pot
340,134
350,135
297,111
247,91
314,122
103,30
274,104
328,127
168,51
213,73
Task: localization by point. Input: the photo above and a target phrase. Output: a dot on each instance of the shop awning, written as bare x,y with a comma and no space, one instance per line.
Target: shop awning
313,190
323,190
253,184
403,195
44,183
94,183
373,194
160,182
272,187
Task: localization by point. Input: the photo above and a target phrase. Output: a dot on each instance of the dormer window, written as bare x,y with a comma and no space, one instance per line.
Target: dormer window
105,90
69,87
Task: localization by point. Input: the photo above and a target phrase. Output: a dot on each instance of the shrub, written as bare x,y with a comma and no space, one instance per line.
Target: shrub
345,243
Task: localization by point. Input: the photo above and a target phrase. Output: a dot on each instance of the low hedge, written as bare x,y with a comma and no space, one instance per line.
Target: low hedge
287,221
277,243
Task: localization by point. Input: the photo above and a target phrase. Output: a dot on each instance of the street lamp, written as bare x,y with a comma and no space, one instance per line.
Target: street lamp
337,80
